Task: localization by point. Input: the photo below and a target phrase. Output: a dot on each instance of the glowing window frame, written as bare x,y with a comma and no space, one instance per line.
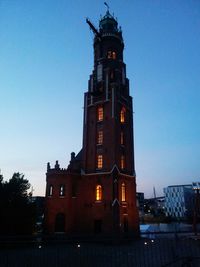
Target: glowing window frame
100,113
123,191
98,193
122,162
122,115
99,161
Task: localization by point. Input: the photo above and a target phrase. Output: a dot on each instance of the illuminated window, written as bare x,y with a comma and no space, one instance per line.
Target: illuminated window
122,115
100,137
100,161
122,138
100,113
111,55
122,162
98,193
62,190
50,193
123,192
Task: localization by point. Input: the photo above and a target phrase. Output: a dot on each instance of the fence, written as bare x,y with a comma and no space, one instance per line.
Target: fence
158,252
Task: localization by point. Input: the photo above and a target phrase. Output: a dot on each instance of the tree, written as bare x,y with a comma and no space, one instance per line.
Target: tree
16,209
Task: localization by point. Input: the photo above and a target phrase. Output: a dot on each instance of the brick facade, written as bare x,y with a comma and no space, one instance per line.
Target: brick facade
96,194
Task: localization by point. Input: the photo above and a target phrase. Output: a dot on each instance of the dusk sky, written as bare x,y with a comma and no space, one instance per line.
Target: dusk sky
46,57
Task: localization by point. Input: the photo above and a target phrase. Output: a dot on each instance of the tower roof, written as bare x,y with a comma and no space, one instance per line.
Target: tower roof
108,23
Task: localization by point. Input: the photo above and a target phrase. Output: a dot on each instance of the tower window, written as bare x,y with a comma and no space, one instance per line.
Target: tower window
100,137
62,190
122,162
100,161
99,72
98,192
50,192
122,115
123,192
122,138
100,113
111,55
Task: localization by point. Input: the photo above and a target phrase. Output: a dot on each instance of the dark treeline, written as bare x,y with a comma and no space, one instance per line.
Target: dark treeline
17,212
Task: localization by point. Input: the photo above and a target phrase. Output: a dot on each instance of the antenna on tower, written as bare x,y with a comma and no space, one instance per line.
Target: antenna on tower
106,6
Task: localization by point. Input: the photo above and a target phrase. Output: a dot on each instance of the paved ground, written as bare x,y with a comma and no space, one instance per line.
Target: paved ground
140,253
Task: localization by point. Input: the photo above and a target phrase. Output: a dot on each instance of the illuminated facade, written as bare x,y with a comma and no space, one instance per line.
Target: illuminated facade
96,194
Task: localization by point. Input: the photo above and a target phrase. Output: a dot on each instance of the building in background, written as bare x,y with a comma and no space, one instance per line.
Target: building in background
96,193
140,203
179,201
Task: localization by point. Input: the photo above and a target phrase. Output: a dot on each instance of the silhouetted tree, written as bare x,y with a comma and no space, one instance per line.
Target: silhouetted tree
16,209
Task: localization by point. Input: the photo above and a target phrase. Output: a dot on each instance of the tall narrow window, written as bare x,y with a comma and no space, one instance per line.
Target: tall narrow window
98,192
100,113
50,193
100,137
122,162
100,161
122,138
122,115
123,192
99,72
62,190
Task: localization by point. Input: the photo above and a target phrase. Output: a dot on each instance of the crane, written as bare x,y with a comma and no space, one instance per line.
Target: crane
95,31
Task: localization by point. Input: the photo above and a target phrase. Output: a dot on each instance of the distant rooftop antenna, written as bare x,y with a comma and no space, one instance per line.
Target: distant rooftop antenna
106,6
154,192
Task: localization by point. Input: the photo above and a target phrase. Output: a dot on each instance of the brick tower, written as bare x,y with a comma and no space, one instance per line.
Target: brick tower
96,194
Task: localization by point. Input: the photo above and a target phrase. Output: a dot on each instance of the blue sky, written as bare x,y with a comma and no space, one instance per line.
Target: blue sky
46,57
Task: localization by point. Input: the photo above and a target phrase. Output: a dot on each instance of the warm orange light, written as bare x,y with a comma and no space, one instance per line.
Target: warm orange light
122,115
100,161
123,192
122,163
98,193
100,113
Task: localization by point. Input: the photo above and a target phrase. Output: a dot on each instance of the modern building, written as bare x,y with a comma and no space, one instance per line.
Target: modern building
96,193
179,201
140,203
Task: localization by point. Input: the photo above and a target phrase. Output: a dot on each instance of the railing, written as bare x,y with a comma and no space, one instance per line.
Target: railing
162,252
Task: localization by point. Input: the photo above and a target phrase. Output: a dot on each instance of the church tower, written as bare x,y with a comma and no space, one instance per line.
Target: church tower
100,180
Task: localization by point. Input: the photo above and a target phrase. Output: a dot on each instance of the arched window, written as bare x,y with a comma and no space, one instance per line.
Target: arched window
100,113
50,191
62,190
122,162
99,161
122,115
123,192
98,192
